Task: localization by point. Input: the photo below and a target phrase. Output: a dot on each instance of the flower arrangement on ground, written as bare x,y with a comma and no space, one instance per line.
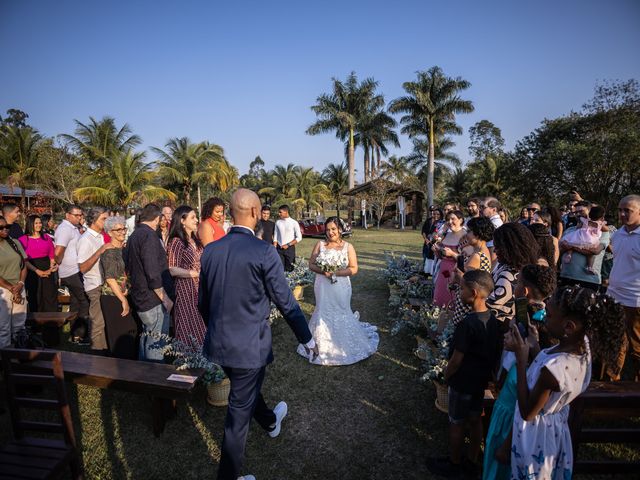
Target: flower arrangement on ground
301,275
398,268
438,357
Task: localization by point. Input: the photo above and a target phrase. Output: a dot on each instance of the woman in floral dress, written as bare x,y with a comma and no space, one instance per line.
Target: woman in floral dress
184,250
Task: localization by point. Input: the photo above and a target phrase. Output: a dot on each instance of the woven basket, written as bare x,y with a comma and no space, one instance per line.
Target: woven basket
218,393
442,397
298,292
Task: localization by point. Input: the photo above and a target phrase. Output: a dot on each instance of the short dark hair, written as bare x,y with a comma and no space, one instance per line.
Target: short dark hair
481,227
149,213
479,280
492,202
209,206
539,278
284,207
596,213
583,203
94,213
457,213
265,208
474,200
71,207
9,207
177,229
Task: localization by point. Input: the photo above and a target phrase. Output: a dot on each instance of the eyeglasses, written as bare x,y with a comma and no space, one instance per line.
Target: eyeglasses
532,209
4,227
77,215
123,229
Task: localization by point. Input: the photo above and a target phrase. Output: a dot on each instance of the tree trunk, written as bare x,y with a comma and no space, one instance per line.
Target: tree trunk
199,202
373,162
378,159
187,193
431,165
351,160
338,206
366,164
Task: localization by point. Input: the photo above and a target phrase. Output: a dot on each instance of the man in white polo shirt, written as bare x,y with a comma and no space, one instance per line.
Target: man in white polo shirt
66,256
287,236
489,207
90,247
624,279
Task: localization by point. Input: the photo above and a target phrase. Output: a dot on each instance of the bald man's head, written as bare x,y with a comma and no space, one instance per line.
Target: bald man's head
245,208
629,211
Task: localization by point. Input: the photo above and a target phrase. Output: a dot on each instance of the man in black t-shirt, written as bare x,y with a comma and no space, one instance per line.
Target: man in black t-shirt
11,213
473,355
265,227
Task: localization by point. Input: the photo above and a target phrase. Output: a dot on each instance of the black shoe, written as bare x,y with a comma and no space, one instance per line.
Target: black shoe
442,466
80,341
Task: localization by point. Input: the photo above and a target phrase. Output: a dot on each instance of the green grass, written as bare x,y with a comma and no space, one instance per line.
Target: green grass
372,420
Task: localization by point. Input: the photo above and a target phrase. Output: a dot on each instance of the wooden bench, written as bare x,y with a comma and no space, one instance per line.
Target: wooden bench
610,400
51,324
131,376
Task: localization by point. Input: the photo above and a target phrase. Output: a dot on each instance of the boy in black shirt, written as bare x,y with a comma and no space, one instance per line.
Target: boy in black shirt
473,356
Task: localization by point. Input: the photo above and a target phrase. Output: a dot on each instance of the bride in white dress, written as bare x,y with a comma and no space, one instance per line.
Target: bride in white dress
342,339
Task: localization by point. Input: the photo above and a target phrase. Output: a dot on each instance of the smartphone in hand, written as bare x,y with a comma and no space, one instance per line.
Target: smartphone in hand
522,316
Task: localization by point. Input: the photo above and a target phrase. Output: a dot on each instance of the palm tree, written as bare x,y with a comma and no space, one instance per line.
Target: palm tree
281,181
395,169
308,190
375,130
98,140
430,106
124,179
419,157
457,185
343,109
337,180
19,156
190,164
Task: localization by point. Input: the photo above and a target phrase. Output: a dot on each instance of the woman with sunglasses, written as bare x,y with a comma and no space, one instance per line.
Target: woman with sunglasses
13,272
120,327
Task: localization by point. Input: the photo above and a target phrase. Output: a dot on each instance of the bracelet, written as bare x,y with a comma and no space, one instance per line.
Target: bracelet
20,282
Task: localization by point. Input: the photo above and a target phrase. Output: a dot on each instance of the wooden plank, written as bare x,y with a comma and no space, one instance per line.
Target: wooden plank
37,403
41,426
606,467
32,379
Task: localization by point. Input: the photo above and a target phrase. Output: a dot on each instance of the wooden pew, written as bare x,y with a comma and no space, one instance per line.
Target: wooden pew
51,324
131,376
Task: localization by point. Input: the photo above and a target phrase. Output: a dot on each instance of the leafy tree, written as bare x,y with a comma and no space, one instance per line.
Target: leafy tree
308,190
97,141
125,178
189,164
337,179
281,181
343,110
59,170
395,169
19,156
430,106
15,118
252,179
381,194
375,131
486,140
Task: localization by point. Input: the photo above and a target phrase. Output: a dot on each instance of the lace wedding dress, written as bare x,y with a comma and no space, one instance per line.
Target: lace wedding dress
342,338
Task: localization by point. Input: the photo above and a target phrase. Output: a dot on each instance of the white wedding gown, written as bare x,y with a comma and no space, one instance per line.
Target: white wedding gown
342,339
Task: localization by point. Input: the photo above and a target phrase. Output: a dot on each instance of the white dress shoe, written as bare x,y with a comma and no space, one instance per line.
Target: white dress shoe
281,411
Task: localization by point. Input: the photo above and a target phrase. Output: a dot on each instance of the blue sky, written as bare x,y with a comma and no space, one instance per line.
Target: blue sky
243,74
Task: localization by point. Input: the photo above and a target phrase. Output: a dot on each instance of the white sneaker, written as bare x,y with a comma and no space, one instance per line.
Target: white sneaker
247,477
281,411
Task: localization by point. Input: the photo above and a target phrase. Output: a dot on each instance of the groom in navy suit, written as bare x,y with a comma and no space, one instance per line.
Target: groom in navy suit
240,274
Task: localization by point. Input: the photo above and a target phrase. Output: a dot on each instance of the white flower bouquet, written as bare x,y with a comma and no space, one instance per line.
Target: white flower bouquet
331,261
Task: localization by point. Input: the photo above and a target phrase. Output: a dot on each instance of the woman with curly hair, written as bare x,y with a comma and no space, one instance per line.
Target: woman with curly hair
515,247
210,228
584,322
476,257
549,251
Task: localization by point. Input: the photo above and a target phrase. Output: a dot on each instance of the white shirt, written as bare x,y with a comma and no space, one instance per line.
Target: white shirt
624,279
287,230
497,222
131,225
89,243
67,236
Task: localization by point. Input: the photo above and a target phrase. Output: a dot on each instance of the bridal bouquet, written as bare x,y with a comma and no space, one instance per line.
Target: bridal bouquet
330,261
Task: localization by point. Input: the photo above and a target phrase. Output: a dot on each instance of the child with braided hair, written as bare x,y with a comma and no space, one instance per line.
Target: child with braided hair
584,322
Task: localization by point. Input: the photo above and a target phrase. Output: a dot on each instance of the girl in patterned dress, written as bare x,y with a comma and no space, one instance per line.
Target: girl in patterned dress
583,321
184,250
479,232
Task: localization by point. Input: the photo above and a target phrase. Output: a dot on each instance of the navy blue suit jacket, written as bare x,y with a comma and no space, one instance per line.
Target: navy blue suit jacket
239,276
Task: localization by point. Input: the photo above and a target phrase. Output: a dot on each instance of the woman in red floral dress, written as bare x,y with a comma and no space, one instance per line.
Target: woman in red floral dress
184,250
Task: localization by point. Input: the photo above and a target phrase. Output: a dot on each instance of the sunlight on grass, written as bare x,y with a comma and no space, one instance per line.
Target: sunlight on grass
212,445
373,406
396,361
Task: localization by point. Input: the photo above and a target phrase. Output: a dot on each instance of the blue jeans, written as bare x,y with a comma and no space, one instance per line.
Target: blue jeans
153,321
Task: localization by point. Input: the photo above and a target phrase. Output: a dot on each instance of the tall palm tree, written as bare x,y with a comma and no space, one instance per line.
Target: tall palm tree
337,180
189,164
395,169
457,185
343,109
19,156
444,159
375,130
124,179
430,106
98,140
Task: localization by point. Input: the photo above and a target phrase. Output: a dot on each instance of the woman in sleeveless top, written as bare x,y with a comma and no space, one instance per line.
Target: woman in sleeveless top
342,339
476,255
210,228
448,251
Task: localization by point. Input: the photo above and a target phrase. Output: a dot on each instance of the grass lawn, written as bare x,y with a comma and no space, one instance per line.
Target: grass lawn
372,420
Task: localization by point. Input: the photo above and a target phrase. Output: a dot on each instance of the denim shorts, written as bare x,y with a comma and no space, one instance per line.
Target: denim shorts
463,406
